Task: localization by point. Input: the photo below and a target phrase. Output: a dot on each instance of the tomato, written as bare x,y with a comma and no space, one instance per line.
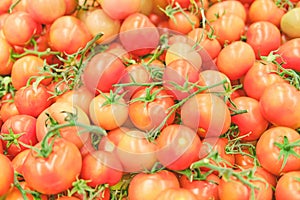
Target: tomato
206,189
270,178
149,108
244,159
228,28
289,23
32,100
210,44
178,147
46,11
19,159
100,167
4,6
206,113
159,4
26,67
67,198
226,7
265,10
176,194
6,175
280,105
110,142
149,186
102,72
21,6
108,112
264,75
271,157
5,61
263,37
55,173
146,7
68,34
115,8
18,130
1,148
7,110
56,112
236,59
138,34
290,54
135,152
183,22
251,124
177,74
71,6
98,21
15,194
288,186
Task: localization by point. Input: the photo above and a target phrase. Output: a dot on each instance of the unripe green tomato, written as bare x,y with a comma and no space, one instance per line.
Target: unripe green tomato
290,23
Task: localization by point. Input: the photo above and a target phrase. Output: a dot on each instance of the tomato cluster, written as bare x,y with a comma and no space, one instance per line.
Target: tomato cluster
149,99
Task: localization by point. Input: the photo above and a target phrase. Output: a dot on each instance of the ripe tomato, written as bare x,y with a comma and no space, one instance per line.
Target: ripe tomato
288,186
183,22
115,8
68,34
178,147
17,129
46,11
207,113
135,152
7,110
263,37
19,27
31,100
236,59
289,23
26,67
19,159
100,167
149,186
271,157
5,61
110,142
71,6
55,173
251,124
206,189
56,112
280,105
21,6
243,159
290,54
102,72
149,108
67,198
138,34
264,75
108,112
6,175
176,194
4,6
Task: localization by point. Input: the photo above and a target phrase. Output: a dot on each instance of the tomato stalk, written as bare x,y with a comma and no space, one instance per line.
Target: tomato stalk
6,86
11,138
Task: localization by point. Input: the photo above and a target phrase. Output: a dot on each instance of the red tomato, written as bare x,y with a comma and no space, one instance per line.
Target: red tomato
17,130
235,59
288,186
149,186
100,167
71,6
264,75
15,193
138,35
7,110
110,142
55,173
6,175
46,11
115,8
182,3
263,37
243,160
206,113
178,147
32,100
102,72
271,157
206,189
251,124
290,54
150,107
67,198
19,159
183,22
5,61
176,194
280,105
4,6
68,34
21,6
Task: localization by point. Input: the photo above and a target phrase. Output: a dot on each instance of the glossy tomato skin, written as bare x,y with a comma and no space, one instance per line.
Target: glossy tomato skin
280,105
115,8
4,6
19,159
55,173
268,153
182,24
6,175
176,194
288,186
32,100
289,23
19,124
149,186
7,110
15,194
5,61
290,54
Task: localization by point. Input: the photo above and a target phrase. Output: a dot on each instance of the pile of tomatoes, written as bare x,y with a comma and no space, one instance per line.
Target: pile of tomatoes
149,99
